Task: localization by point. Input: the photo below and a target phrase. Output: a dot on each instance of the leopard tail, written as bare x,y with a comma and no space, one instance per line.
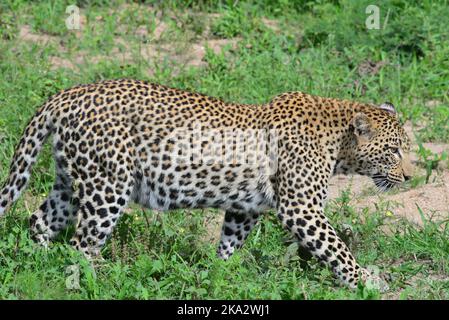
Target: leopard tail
25,155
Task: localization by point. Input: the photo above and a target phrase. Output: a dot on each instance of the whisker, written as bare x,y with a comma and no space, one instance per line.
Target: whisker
383,183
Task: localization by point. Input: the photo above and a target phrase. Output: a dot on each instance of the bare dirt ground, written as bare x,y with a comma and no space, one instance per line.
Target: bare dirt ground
432,198
178,53
153,46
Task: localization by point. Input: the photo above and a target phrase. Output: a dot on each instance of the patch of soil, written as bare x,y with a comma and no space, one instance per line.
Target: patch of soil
31,202
58,62
418,282
154,46
27,35
182,54
144,31
212,223
177,54
432,198
161,28
271,24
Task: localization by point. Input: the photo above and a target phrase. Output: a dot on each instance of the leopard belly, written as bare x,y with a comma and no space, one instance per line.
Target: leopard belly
176,190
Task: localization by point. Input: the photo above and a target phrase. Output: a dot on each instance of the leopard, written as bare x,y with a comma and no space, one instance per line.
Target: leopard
123,141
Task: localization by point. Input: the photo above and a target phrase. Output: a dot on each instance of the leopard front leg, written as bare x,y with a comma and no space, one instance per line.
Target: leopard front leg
315,233
301,190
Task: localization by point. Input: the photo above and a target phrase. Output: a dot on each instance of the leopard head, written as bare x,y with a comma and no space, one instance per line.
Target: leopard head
381,147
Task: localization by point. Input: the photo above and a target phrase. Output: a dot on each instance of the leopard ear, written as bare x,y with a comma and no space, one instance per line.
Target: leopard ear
388,106
362,127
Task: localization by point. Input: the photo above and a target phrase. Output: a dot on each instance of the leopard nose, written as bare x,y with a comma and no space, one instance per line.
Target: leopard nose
406,177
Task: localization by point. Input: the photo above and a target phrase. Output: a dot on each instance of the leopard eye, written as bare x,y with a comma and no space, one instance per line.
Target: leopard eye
395,150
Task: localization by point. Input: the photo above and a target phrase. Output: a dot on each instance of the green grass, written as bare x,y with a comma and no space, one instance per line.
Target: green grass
317,48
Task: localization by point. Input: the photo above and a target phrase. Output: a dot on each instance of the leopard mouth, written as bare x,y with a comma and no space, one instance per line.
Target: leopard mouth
383,183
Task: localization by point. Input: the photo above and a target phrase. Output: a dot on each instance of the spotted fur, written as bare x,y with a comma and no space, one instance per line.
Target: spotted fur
113,144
